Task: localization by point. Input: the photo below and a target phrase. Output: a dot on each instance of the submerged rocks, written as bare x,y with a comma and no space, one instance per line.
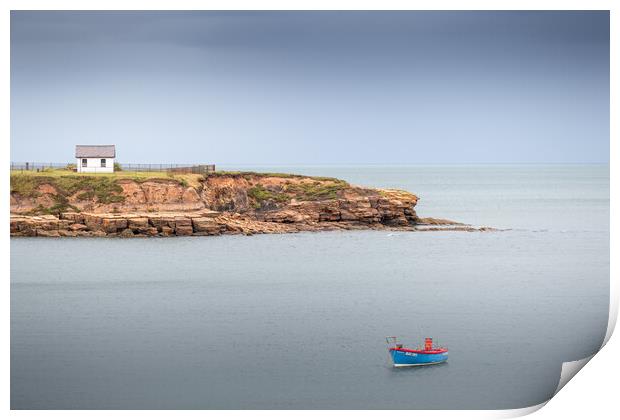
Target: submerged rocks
437,222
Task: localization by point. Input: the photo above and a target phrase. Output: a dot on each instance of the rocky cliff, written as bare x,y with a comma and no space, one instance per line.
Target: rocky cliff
221,203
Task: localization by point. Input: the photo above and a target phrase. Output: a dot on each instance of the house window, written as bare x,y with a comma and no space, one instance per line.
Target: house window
103,163
84,163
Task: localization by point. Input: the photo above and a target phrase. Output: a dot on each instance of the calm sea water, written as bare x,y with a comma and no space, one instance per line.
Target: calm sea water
298,321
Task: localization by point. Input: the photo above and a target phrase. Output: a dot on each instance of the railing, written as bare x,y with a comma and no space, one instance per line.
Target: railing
124,167
38,166
167,167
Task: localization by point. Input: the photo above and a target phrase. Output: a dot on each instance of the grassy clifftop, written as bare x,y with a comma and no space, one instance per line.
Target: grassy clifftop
311,191
104,188
55,191
190,179
57,188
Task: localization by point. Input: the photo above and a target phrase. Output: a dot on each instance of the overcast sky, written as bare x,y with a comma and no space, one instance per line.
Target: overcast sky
287,88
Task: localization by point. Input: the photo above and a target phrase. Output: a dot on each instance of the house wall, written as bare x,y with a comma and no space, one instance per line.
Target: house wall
94,165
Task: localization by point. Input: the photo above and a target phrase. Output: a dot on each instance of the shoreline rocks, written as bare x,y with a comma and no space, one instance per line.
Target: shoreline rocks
205,223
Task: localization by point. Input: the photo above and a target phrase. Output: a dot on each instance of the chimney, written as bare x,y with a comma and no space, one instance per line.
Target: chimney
428,344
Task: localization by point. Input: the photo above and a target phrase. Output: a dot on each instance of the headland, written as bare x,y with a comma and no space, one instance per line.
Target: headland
65,204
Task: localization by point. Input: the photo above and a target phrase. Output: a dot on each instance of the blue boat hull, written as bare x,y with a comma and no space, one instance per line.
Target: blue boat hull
405,358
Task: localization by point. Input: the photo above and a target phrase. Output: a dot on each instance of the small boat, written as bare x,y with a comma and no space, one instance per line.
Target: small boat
403,356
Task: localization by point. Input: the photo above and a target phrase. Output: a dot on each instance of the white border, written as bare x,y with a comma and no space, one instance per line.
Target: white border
594,386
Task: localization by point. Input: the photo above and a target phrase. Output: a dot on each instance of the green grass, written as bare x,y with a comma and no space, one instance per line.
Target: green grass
316,191
192,180
386,192
105,189
305,191
186,180
322,188
250,174
260,195
61,205
26,186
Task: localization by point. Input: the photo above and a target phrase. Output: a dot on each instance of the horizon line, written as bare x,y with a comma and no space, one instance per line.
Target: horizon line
284,165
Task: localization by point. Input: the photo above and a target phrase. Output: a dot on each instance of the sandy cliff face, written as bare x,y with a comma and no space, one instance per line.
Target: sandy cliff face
156,196
128,195
221,203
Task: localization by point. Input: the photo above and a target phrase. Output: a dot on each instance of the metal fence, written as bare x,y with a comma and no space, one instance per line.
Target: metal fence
124,167
167,167
37,166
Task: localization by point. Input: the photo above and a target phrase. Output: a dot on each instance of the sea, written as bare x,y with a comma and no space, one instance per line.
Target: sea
298,321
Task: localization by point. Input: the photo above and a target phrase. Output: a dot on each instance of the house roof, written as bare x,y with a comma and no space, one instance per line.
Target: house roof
95,151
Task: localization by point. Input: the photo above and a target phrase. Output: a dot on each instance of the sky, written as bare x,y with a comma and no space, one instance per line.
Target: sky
312,88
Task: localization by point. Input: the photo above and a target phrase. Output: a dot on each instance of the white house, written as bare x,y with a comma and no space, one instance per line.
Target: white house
95,158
